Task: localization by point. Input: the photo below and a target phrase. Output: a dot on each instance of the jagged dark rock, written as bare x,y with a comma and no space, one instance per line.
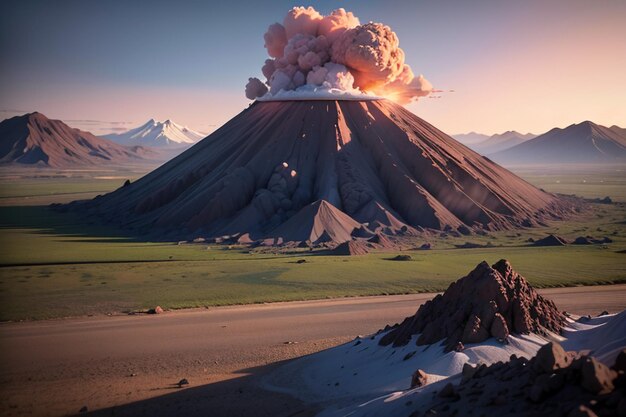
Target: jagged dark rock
155,310
499,329
550,358
419,379
550,384
596,377
489,302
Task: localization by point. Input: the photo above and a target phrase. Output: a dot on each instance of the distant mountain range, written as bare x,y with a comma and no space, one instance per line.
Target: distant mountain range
165,134
585,142
619,130
33,139
502,141
487,145
471,138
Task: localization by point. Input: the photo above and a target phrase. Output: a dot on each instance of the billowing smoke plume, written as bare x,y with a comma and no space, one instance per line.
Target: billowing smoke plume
334,55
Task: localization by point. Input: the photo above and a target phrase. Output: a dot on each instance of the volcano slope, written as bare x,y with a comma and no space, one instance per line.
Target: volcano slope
332,165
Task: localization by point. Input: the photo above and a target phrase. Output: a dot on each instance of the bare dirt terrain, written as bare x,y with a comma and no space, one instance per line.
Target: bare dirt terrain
130,365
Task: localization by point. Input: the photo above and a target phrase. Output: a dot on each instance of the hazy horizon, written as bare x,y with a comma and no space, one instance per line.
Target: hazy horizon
526,67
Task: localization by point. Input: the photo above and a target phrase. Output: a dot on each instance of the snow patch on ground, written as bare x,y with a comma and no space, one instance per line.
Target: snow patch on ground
362,378
363,368
603,337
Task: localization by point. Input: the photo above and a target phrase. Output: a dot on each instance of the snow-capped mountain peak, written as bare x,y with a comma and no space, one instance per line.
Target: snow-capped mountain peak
156,133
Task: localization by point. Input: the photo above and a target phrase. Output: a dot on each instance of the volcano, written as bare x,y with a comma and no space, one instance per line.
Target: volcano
325,170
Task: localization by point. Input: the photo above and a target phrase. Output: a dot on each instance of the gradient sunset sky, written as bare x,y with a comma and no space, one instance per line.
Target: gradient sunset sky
523,65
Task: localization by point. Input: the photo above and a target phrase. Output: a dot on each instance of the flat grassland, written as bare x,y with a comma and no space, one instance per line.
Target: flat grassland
21,186
589,181
55,265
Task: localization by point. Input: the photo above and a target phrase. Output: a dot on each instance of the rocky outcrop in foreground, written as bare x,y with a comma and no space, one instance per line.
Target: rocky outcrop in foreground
489,302
553,383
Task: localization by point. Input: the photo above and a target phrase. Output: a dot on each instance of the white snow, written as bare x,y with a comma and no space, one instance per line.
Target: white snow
362,378
160,134
367,369
604,337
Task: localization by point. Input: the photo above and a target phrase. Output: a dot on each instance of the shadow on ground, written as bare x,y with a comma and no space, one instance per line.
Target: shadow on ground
47,220
239,397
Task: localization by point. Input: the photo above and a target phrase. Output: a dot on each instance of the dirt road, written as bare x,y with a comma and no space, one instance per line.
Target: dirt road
129,365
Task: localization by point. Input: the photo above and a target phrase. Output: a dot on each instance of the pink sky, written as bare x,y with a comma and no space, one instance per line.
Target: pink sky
527,66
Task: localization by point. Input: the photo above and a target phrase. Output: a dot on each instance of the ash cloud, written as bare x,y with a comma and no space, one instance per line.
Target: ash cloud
312,55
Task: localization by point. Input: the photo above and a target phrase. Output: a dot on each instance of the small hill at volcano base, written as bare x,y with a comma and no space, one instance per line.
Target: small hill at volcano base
369,164
318,222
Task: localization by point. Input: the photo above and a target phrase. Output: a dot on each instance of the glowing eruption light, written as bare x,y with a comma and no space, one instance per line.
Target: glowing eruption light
334,56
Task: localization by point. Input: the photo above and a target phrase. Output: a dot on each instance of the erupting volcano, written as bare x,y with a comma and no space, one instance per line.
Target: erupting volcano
340,168
320,157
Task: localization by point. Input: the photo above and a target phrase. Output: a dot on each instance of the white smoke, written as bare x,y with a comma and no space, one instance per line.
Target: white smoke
315,56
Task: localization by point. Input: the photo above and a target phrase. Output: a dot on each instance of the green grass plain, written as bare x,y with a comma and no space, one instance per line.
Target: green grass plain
41,186
590,181
54,265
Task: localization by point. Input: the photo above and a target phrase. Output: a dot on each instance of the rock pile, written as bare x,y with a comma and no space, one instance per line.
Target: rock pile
155,310
489,302
419,379
590,240
553,383
551,240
